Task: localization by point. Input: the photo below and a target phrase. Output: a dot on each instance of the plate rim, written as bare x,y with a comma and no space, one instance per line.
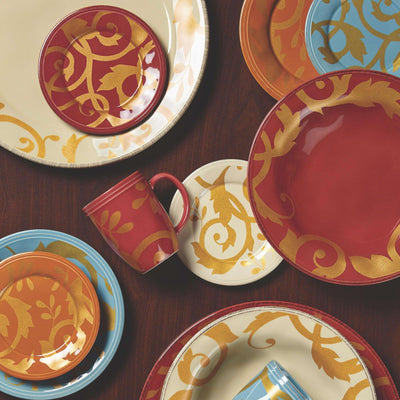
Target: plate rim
259,309
219,280
248,56
105,268
251,196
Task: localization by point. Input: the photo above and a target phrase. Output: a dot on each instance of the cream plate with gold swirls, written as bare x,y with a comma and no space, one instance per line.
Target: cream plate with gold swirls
218,361
222,243
28,125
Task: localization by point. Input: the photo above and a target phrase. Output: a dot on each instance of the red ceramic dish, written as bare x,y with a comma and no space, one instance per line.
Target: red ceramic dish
384,385
102,69
49,315
322,177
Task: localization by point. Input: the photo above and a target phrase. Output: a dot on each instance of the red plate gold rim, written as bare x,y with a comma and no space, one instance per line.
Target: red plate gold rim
357,279
120,127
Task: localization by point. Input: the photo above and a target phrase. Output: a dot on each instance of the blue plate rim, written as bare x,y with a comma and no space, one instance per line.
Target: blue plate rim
119,317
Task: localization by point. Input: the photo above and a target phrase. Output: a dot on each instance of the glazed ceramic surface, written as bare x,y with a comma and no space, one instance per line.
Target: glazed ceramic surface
111,306
32,130
134,223
222,243
321,173
49,315
102,69
273,44
384,385
354,34
228,352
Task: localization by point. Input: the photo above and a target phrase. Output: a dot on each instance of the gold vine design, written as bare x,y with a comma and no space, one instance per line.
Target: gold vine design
324,357
28,142
354,37
365,94
226,206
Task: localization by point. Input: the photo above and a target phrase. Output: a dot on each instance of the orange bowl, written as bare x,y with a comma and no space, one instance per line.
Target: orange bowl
49,315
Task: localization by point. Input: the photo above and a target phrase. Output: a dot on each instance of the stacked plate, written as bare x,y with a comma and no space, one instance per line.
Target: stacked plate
61,313
220,354
112,79
306,38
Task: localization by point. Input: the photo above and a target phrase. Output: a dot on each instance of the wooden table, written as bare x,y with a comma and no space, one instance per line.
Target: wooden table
220,123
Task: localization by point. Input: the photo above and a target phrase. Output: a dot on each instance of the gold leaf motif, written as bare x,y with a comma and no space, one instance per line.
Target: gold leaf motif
127,227
104,217
136,204
4,323
291,244
69,149
223,336
46,316
114,219
20,367
227,207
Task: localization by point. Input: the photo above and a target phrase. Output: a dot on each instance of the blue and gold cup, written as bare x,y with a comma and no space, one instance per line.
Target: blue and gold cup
272,383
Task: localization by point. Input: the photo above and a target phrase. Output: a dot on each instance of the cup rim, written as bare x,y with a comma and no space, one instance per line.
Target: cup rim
113,192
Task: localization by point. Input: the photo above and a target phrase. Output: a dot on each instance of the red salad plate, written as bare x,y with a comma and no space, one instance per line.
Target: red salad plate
323,173
102,69
384,385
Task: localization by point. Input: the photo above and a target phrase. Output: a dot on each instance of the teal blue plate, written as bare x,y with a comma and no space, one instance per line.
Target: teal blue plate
343,34
111,305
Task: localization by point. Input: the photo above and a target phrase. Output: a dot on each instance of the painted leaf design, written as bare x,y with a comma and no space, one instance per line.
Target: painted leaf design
22,313
355,43
329,56
136,204
22,366
104,217
125,227
52,300
108,40
74,28
57,312
40,304
326,359
114,219
46,316
4,323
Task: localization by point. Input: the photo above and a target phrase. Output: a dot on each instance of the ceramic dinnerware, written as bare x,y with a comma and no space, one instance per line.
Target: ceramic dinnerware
221,243
273,44
385,387
354,34
321,173
111,306
102,69
29,126
133,222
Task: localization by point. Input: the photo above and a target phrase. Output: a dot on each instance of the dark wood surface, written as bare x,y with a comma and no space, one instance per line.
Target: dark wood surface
220,123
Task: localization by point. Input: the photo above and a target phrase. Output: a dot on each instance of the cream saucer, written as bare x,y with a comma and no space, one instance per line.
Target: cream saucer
222,243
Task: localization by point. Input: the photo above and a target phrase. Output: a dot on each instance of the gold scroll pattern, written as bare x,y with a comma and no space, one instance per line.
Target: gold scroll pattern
355,39
227,208
323,355
112,81
365,94
77,309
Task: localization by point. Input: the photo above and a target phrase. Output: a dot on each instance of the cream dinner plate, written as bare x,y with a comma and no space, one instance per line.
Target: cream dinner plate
223,357
31,129
221,243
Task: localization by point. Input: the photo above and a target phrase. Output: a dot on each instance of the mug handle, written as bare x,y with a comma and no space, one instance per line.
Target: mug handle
183,192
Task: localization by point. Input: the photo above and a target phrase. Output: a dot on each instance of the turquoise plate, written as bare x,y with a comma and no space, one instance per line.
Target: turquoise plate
354,34
111,305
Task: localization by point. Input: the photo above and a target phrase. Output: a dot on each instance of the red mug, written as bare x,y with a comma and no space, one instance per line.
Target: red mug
135,224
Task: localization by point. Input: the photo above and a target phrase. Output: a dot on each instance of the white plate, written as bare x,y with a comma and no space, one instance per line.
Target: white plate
222,243
28,126
222,358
